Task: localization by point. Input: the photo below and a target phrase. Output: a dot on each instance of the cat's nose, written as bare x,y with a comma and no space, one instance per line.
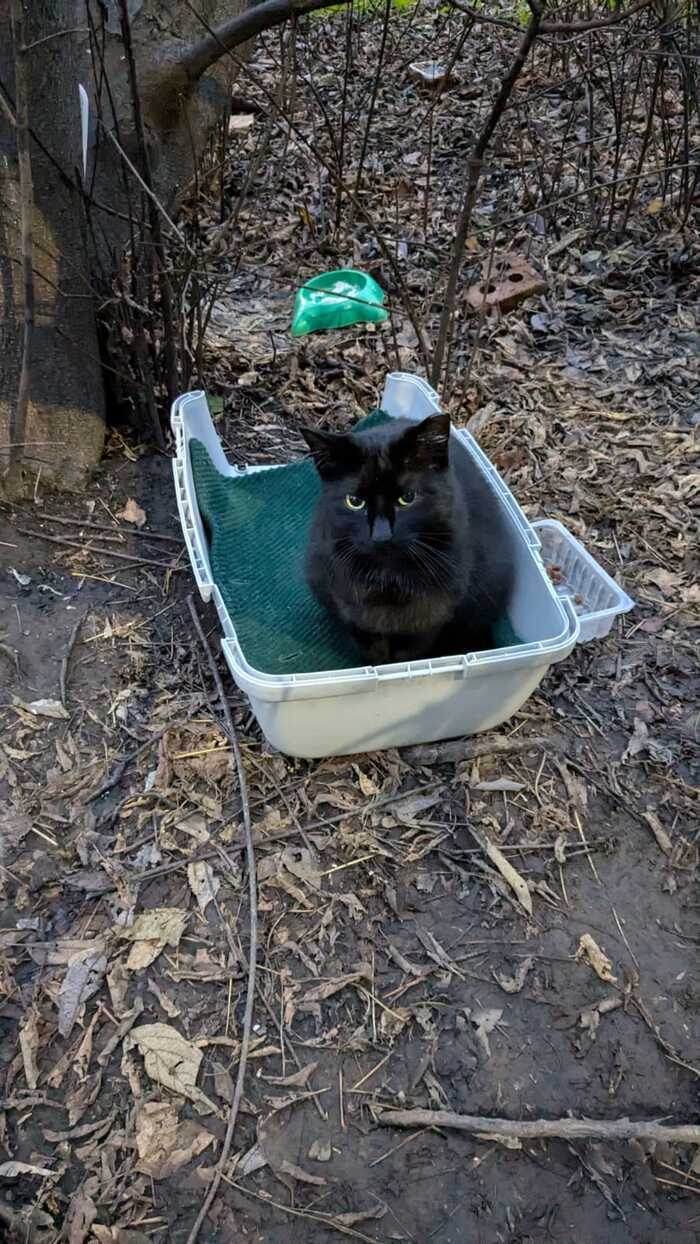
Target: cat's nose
381,530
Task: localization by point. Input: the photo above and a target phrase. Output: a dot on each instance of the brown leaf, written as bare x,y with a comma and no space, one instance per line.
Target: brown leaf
10,1170
80,1215
589,949
321,1150
410,810
151,932
171,1010
485,1020
505,784
118,984
119,1235
163,1144
299,1079
83,1097
170,1060
82,979
513,984
203,883
662,837
46,708
29,1044
132,513
223,1083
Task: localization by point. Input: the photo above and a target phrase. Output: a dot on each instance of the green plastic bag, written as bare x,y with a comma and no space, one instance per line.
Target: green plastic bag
336,299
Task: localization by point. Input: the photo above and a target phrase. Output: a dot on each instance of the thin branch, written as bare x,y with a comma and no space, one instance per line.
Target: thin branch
530,1129
576,28
357,205
147,190
18,418
373,98
238,30
55,34
253,947
473,178
484,18
63,677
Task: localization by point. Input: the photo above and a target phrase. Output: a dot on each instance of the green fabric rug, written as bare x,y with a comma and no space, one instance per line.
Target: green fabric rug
258,528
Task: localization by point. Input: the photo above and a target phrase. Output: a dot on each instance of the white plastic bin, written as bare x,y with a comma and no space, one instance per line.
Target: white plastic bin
334,712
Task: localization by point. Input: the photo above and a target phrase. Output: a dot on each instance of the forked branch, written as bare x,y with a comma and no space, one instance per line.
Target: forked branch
238,30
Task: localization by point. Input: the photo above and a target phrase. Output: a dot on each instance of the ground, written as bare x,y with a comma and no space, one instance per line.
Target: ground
396,967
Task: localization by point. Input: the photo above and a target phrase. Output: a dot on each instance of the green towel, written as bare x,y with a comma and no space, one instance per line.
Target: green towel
258,528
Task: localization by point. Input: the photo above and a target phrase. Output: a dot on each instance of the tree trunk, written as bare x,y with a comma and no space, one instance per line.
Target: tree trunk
62,429
158,83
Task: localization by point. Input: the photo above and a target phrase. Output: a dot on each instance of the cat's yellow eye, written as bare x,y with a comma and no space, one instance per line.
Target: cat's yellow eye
407,497
354,503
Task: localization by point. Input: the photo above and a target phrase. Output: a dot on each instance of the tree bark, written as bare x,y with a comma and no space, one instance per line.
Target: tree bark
62,432
159,81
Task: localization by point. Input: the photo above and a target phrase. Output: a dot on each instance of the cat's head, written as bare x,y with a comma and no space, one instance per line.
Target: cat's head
385,488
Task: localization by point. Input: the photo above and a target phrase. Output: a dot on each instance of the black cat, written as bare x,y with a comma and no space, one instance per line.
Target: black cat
409,547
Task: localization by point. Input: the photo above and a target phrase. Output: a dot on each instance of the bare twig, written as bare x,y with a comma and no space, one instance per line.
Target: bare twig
531,1129
553,28
357,205
154,207
67,656
77,544
18,417
253,947
146,189
328,1220
56,34
473,178
373,98
602,23
472,749
94,526
122,765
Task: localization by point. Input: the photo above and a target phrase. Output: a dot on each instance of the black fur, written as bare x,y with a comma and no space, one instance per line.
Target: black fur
425,579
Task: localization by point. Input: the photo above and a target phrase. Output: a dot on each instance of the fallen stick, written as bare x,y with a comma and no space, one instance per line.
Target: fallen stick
473,749
532,1129
229,731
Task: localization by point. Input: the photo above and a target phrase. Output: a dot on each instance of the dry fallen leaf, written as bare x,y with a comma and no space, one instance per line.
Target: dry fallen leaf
118,984
321,1150
119,1235
151,932
170,1008
485,1020
170,1060
80,1215
513,984
82,979
253,1160
240,121
164,1144
29,1044
45,708
510,874
589,949
203,884
10,1170
132,513
505,784
298,1079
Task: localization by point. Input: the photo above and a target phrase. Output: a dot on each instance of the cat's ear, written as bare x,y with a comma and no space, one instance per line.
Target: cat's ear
425,445
334,454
